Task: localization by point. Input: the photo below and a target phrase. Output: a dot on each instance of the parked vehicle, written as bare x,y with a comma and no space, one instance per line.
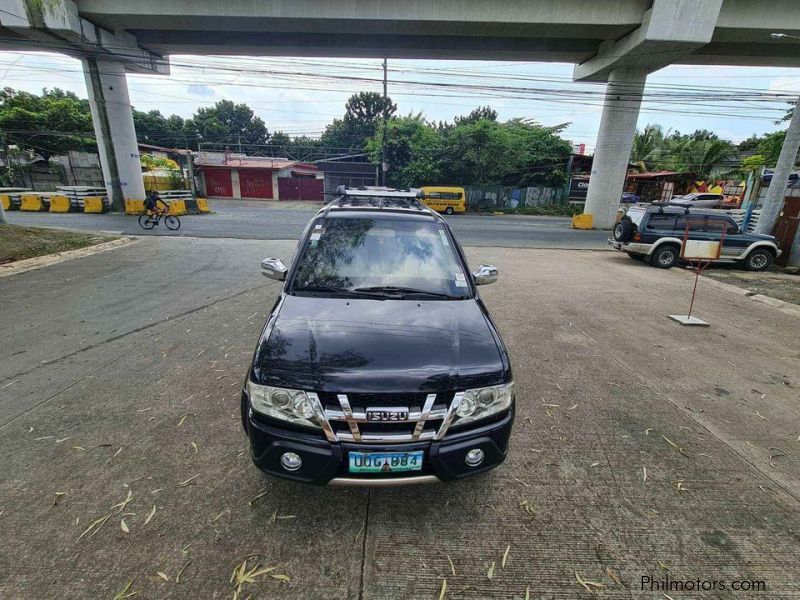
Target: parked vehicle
379,363
629,198
447,200
699,200
655,233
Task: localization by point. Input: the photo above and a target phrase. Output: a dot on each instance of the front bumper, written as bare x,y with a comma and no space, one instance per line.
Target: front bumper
325,462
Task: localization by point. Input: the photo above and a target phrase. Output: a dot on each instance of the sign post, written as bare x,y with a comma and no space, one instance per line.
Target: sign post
704,251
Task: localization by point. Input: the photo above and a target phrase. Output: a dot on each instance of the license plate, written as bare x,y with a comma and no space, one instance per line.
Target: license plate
387,414
385,462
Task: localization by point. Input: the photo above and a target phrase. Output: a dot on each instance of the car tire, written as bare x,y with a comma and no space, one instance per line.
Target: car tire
449,210
665,257
759,259
623,230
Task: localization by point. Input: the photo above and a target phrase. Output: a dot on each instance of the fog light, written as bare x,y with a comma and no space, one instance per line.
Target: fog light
473,459
292,462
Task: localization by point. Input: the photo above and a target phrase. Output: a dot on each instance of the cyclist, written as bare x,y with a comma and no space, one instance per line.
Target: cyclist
152,202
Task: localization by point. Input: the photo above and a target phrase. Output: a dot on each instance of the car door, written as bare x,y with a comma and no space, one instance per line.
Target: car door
735,242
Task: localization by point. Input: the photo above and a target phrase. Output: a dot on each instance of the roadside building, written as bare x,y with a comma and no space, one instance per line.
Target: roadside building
231,175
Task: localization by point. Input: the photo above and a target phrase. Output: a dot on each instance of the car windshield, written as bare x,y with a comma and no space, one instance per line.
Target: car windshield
400,257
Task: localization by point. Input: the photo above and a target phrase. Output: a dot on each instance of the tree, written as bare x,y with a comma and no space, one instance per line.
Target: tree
53,123
363,115
770,147
789,112
279,138
153,128
228,123
482,112
413,150
705,158
648,147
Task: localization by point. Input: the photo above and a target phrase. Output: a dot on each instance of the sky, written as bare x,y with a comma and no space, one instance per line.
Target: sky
301,95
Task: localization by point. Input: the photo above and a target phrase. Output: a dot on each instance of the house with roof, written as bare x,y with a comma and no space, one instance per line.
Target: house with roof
232,175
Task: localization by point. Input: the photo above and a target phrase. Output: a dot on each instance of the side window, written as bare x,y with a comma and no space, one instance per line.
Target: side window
680,223
732,228
715,224
660,222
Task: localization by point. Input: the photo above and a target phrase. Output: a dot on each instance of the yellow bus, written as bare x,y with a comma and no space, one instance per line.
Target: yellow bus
444,199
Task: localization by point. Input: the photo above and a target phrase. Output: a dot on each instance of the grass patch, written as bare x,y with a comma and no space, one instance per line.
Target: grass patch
549,210
19,243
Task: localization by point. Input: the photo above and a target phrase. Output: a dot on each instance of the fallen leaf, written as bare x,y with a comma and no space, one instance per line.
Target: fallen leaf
613,576
644,473
527,592
95,526
443,589
163,576
124,592
588,585
452,566
185,483
594,464
281,577
490,572
183,568
195,447
150,515
505,557
124,526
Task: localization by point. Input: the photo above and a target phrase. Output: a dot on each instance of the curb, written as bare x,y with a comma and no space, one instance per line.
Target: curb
781,305
38,262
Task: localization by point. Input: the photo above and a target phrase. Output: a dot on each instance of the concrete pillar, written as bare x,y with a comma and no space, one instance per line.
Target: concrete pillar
773,203
112,117
614,141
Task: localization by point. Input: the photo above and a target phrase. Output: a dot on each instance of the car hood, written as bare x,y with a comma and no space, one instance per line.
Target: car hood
373,346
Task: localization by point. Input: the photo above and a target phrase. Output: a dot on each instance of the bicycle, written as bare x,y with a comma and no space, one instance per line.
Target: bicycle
150,220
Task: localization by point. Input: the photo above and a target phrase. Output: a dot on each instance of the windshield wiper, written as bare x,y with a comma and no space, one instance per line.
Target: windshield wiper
395,290
321,287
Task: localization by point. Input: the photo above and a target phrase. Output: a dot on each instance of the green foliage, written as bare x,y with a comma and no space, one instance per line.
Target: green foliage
279,138
473,150
753,163
478,114
770,147
154,128
701,153
53,123
363,116
226,122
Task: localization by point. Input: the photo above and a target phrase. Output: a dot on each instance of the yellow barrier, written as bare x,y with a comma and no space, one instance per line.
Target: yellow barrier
583,221
177,207
202,205
5,199
60,204
134,207
31,202
93,204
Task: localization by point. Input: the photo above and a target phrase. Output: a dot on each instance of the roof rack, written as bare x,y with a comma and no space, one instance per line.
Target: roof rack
373,197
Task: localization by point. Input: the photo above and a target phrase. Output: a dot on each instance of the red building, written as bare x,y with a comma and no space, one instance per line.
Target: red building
229,175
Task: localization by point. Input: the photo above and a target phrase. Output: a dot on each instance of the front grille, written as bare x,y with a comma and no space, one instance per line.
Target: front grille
429,417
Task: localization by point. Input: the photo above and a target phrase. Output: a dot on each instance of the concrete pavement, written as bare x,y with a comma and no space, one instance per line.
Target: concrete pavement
641,449
253,220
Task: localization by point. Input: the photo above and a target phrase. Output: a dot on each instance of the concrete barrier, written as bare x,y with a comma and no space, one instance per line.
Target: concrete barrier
177,208
60,203
202,205
134,207
93,204
5,200
584,221
31,202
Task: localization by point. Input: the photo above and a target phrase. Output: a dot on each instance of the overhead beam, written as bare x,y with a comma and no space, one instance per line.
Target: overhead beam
57,26
670,29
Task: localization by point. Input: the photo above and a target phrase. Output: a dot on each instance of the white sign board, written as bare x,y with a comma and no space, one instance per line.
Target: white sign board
700,249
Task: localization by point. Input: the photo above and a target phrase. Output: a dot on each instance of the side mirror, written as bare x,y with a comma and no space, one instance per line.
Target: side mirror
274,269
485,274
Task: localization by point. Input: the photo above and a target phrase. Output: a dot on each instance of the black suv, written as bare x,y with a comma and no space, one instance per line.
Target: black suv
379,364
655,233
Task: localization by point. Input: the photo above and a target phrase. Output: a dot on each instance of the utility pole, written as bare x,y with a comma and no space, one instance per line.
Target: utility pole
3,220
780,176
384,164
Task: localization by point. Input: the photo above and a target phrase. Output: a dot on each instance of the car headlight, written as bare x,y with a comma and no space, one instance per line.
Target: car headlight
481,403
295,406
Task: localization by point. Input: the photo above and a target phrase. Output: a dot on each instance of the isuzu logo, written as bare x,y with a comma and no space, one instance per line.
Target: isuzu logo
387,414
